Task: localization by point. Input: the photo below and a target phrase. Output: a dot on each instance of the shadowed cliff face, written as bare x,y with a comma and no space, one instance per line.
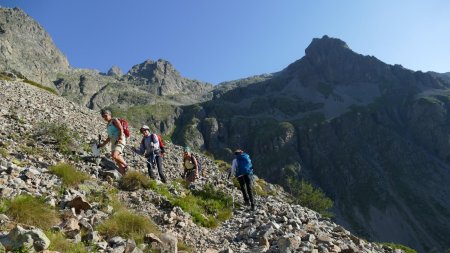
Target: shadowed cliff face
374,136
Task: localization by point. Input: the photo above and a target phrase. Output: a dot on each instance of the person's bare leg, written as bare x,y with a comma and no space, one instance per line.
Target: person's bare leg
118,158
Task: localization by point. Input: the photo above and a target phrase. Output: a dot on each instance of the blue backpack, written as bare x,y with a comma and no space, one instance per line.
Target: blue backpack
244,165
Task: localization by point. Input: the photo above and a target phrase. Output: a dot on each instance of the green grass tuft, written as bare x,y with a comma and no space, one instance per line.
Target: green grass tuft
31,211
127,225
208,207
59,243
134,180
68,174
4,152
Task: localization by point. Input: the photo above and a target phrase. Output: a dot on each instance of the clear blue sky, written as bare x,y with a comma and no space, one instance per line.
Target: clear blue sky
216,41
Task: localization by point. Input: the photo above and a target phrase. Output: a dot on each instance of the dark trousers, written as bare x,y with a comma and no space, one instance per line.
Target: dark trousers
156,161
245,182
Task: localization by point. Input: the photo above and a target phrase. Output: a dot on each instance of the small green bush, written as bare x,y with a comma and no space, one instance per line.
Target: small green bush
127,225
59,243
68,174
399,246
31,211
134,180
305,195
64,136
259,187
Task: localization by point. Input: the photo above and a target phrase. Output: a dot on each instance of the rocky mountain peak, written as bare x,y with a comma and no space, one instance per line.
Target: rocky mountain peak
115,71
150,69
21,38
325,44
326,48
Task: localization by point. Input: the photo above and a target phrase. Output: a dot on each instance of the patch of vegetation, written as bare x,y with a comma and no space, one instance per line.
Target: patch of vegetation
310,120
183,246
399,246
58,242
3,76
160,189
31,211
19,162
68,174
223,166
134,180
4,152
127,225
31,150
208,207
62,134
306,195
105,196
260,188
31,82
28,81
325,89
139,114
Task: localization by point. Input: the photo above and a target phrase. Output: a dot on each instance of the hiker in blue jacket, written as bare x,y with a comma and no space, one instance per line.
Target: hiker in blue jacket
242,168
151,148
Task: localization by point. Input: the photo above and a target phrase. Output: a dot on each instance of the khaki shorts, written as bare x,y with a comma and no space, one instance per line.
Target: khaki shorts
119,147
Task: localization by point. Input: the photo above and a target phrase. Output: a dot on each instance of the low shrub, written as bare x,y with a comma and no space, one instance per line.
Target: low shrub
260,188
68,174
31,211
127,225
58,242
62,134
134,180
304,194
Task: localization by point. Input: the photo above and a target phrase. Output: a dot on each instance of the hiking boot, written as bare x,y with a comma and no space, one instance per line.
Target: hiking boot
253,208
247,203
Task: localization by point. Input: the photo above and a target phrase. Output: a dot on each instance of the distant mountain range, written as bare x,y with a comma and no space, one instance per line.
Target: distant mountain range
373,136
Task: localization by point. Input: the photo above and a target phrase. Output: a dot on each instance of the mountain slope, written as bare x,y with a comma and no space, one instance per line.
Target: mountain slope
276,226
373,136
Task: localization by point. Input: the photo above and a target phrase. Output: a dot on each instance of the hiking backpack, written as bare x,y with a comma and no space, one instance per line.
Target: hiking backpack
125,128
160,140
244,165
199,164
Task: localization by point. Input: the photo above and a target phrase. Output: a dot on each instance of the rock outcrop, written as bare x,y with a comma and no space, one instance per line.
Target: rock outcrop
26,48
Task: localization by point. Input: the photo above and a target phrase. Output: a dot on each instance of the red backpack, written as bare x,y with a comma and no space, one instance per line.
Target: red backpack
125,128
161,143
